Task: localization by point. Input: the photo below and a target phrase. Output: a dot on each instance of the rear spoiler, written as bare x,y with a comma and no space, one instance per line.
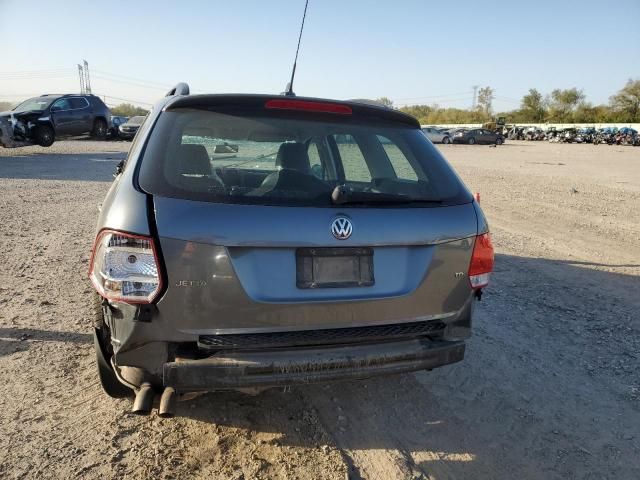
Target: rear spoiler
259,102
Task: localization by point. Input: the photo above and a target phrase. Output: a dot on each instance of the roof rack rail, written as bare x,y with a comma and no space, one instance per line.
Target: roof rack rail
180,89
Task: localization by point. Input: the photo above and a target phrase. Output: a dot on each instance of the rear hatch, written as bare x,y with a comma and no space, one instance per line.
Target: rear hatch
290,214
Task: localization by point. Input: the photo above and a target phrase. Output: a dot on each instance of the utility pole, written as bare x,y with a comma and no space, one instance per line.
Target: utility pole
81,75
87,79
475,97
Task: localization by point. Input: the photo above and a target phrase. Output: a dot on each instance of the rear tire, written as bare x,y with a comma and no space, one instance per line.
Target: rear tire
44,135
471,141
108,379
99,129
446,140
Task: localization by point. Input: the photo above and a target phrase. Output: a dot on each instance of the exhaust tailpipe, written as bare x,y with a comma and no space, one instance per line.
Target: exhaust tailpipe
144,400
168,403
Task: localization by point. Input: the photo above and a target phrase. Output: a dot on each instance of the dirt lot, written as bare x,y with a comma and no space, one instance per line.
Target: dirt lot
550,387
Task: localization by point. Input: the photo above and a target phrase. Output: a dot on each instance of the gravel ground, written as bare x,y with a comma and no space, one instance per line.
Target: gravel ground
549,387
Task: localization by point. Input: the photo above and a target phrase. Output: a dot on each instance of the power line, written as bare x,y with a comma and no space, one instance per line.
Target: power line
127,77
18,95
40,77
433,96
59,67
126,100
25,74
443,100
507,99
127,82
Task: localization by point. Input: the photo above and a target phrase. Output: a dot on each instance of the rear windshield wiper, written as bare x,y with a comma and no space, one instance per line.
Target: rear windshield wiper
342,195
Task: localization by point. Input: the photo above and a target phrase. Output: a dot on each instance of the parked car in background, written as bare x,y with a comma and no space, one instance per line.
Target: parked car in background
452,132
116,121
129,129
480,136
42,120
436,135
585,135
252,241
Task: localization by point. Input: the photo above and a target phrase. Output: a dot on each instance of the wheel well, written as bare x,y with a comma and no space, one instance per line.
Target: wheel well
100,118
45,124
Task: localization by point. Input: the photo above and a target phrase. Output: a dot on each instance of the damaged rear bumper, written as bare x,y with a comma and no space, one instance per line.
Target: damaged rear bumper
231,370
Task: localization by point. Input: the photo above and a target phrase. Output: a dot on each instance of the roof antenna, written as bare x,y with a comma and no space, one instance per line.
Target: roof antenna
289,88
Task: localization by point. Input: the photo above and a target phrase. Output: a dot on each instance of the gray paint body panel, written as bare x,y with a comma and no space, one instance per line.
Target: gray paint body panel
231,268
251,225
209,293
124,208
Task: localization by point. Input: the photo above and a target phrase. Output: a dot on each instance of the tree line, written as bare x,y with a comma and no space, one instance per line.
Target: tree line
128,110
559,106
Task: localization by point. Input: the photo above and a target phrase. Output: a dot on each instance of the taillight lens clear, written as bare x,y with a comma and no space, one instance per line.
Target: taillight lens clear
481,261
124,267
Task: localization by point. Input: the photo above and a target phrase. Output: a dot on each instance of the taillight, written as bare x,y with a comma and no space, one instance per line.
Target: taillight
307,106
125,267
481,261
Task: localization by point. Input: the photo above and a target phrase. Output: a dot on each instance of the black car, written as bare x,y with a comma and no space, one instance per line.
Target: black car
116,121
479,136
41,120
129,129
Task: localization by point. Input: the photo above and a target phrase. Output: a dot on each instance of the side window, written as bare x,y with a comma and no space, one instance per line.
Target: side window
314,160
400,163
353,161
62,104
78,102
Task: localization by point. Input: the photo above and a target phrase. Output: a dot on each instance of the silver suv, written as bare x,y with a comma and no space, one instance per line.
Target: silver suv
253,241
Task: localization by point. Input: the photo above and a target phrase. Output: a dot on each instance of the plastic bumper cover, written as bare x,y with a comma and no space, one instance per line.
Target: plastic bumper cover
308,365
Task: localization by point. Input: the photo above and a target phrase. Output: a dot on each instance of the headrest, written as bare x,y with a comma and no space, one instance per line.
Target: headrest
194,160
293,156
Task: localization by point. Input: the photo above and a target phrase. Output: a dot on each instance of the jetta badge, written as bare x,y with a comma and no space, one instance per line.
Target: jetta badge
342,228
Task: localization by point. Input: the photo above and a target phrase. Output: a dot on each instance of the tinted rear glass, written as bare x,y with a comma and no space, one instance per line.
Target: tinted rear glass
275,160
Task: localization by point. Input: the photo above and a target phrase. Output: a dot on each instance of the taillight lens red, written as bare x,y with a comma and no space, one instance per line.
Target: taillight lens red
124,267
308,106
482,260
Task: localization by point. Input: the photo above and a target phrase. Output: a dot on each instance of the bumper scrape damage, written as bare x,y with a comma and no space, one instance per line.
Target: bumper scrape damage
193,363
283,368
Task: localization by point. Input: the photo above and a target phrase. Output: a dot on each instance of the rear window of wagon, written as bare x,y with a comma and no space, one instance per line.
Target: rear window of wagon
264,158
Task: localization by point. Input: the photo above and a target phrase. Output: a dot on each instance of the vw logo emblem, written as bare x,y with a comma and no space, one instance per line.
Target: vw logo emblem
342,228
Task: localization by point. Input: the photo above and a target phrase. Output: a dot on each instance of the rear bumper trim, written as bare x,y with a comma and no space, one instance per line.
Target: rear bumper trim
308,365
321,337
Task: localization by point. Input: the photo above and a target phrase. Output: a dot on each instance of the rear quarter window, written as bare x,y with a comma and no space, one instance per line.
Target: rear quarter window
352,159
399,161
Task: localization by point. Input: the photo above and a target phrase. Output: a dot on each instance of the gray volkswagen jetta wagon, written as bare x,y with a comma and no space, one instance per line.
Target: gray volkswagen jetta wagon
252,241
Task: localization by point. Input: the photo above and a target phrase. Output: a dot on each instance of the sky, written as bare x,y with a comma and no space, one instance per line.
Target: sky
414,52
